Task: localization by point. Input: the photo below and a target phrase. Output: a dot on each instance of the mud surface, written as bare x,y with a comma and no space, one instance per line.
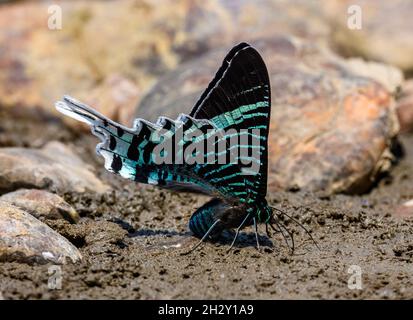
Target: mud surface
133,239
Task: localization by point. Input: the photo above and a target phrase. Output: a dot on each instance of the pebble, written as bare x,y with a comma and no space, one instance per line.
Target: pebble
26,239
404,210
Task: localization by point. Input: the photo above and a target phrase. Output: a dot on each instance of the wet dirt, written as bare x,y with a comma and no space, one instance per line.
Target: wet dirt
133,238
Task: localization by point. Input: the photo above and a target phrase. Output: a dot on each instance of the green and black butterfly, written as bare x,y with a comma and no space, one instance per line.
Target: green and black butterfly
238,98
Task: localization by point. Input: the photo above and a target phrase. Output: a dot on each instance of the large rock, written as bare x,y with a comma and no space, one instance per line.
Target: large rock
41,204
39,64
26,239
386,30
54,167
25,127
331,124
216,24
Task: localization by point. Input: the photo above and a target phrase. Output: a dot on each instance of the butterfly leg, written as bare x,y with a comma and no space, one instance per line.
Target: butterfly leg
237,231
204,237
256,233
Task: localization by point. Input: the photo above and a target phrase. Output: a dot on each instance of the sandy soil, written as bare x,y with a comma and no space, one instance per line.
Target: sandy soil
133,240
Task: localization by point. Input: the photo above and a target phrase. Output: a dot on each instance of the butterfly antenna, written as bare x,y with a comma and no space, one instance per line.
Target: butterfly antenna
204,237
299,224
280,229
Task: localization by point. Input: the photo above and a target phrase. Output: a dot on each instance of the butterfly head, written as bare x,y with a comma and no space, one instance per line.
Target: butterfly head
261,210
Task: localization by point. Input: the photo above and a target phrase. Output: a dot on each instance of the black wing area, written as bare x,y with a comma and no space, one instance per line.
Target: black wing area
239,97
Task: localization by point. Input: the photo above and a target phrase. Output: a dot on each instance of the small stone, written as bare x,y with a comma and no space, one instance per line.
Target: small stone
409,203
46,168
28,240
405,210
321,220
41,204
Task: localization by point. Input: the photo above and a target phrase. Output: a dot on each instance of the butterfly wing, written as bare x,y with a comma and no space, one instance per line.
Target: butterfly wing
131,152
239,98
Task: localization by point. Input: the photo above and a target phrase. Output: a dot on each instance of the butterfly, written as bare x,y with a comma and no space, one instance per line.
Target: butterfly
236,104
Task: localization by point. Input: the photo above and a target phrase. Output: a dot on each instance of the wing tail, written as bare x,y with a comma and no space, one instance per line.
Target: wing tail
78,111
115,138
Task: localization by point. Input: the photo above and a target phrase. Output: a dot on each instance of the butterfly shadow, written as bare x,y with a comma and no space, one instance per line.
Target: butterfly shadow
146,232
244,240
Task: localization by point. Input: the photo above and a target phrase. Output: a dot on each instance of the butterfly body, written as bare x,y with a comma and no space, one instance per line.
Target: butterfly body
230,216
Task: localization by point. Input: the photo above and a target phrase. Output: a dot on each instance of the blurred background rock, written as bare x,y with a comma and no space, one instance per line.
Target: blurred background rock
109,53
146,58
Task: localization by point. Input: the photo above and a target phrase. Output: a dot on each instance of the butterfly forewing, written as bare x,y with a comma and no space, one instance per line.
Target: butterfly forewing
239,98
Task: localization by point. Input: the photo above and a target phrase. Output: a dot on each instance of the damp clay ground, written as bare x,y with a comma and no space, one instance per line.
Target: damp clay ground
133,238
